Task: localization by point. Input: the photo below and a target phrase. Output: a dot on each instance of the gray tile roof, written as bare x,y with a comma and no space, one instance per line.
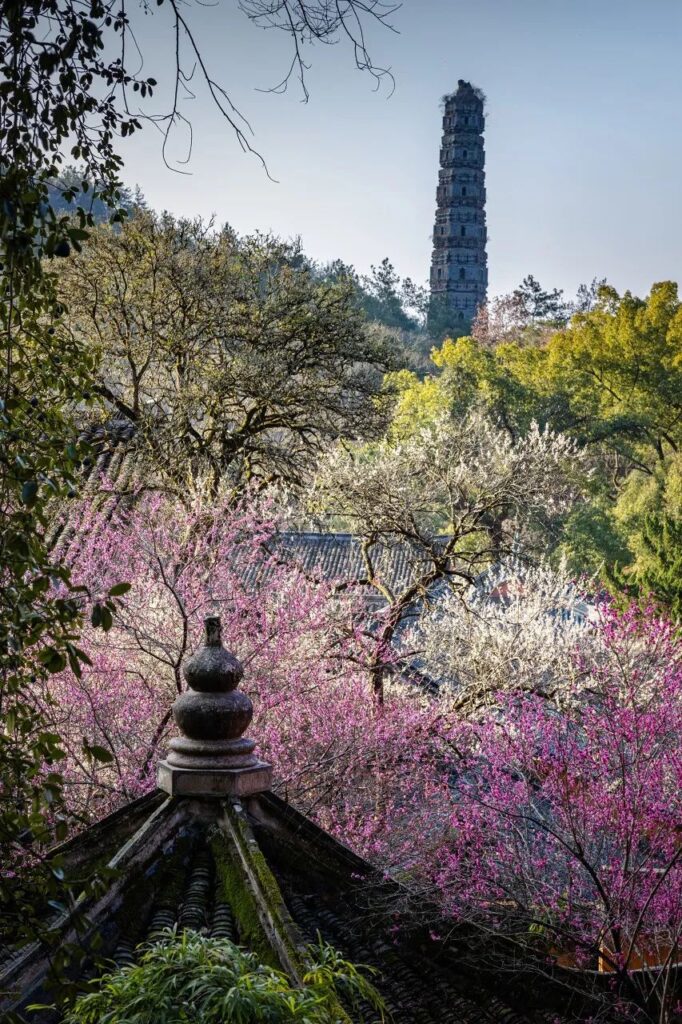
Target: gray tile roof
168,855
338,556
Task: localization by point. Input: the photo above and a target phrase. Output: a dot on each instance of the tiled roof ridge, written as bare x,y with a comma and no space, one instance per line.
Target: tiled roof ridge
172,874
276,921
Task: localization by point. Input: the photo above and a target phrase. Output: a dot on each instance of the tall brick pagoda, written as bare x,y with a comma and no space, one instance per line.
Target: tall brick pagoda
459,265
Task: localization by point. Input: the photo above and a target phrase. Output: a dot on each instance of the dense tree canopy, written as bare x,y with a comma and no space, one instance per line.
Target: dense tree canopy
230,357
516,630
611,379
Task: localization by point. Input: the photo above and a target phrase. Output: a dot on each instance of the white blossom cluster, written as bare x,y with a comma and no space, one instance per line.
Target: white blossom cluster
455,478
450,470
518,629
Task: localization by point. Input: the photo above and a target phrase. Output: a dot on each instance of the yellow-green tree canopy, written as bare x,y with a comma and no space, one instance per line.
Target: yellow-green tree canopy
611,379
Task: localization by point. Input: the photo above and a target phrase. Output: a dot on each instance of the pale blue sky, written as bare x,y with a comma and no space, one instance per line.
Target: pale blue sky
583,137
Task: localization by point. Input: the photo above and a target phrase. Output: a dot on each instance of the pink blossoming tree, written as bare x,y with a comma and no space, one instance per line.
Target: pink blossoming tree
566,827
554,826
367,773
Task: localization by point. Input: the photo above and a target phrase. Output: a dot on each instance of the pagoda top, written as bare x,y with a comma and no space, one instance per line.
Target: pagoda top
465,91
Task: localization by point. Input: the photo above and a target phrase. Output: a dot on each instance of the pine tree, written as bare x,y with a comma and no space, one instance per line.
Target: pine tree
660,573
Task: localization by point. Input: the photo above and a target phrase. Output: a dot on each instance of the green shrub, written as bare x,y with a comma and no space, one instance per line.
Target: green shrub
189,979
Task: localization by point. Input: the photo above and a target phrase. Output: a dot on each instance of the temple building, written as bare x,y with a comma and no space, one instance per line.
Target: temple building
214,853
459,267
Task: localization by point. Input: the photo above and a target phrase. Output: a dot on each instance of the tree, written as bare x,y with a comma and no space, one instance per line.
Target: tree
443,321
564,841
518,629
537,305
528,315
456,496
470,375
619,368
589,295
499,320
388,300
69,184
609,379
616,369
229,357
56,89
475,814
646,516
657,572
396,306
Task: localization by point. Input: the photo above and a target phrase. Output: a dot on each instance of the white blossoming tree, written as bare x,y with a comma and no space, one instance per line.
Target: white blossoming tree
518,629
457,497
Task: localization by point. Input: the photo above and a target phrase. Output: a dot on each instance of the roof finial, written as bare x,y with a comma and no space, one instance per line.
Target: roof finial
213,631
211,757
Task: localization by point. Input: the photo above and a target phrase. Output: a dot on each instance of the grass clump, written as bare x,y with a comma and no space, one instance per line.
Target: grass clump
187,977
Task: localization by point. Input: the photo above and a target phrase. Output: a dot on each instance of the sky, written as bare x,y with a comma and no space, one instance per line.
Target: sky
583,136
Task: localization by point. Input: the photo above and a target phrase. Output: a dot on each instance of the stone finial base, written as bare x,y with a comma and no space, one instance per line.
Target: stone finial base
214,782
211,754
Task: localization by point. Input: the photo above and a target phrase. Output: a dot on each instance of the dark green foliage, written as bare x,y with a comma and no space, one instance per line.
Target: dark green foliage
57,90
537,305
396,303
591,542
658,572
189,978
70,183
587,296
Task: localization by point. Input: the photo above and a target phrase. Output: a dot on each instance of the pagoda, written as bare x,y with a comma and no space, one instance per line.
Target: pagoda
459,265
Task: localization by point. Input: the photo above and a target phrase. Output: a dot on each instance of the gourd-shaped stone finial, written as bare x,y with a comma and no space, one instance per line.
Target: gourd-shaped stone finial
211,758
212,714
212,669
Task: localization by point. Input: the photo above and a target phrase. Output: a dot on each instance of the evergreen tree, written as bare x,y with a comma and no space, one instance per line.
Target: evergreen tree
659,572
64,188
538,305
386,298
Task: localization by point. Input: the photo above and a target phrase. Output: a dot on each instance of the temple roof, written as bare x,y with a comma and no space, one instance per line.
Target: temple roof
338,556
324,556
261,874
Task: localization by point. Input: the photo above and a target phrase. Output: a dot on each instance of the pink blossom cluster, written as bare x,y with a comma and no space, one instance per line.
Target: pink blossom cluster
365,771
570,824
559,821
